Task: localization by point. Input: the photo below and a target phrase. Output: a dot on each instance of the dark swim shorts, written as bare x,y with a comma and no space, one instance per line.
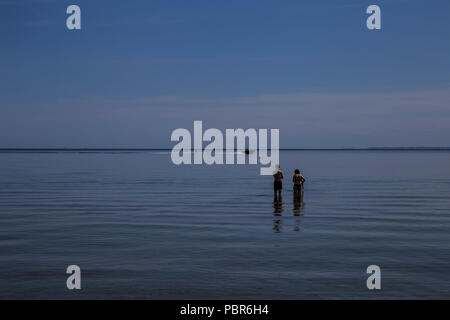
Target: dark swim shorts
297,187
277,185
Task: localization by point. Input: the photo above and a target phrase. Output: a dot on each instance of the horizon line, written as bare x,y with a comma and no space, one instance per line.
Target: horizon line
169,149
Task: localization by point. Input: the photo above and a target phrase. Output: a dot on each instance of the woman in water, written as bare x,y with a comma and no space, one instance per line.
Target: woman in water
277,184
298,179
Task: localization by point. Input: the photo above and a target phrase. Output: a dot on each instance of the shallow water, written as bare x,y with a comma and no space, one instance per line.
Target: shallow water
141,227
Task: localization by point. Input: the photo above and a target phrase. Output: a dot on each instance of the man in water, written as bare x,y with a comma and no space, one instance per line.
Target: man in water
277,184
298,179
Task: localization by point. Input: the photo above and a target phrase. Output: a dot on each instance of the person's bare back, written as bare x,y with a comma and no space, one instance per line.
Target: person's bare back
298,179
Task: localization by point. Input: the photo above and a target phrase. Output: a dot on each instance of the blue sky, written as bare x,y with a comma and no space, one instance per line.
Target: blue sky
139,69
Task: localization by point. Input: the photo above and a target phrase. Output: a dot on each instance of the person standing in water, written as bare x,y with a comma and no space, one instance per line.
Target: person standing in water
298,179
277,184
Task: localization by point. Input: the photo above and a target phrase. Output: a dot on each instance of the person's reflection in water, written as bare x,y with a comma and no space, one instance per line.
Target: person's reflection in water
297,225
277,225
277,212
278,208
298,206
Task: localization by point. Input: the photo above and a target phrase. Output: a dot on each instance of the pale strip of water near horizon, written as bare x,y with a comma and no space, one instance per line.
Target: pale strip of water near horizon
142,227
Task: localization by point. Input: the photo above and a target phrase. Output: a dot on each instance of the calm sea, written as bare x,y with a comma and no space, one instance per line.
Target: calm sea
141,227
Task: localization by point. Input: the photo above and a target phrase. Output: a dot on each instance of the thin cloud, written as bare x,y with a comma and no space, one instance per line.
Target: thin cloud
408,118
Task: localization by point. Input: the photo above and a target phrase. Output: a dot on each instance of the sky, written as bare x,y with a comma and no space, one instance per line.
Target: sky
137,70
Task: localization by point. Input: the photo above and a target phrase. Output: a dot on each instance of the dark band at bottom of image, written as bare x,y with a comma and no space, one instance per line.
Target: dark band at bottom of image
235,309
